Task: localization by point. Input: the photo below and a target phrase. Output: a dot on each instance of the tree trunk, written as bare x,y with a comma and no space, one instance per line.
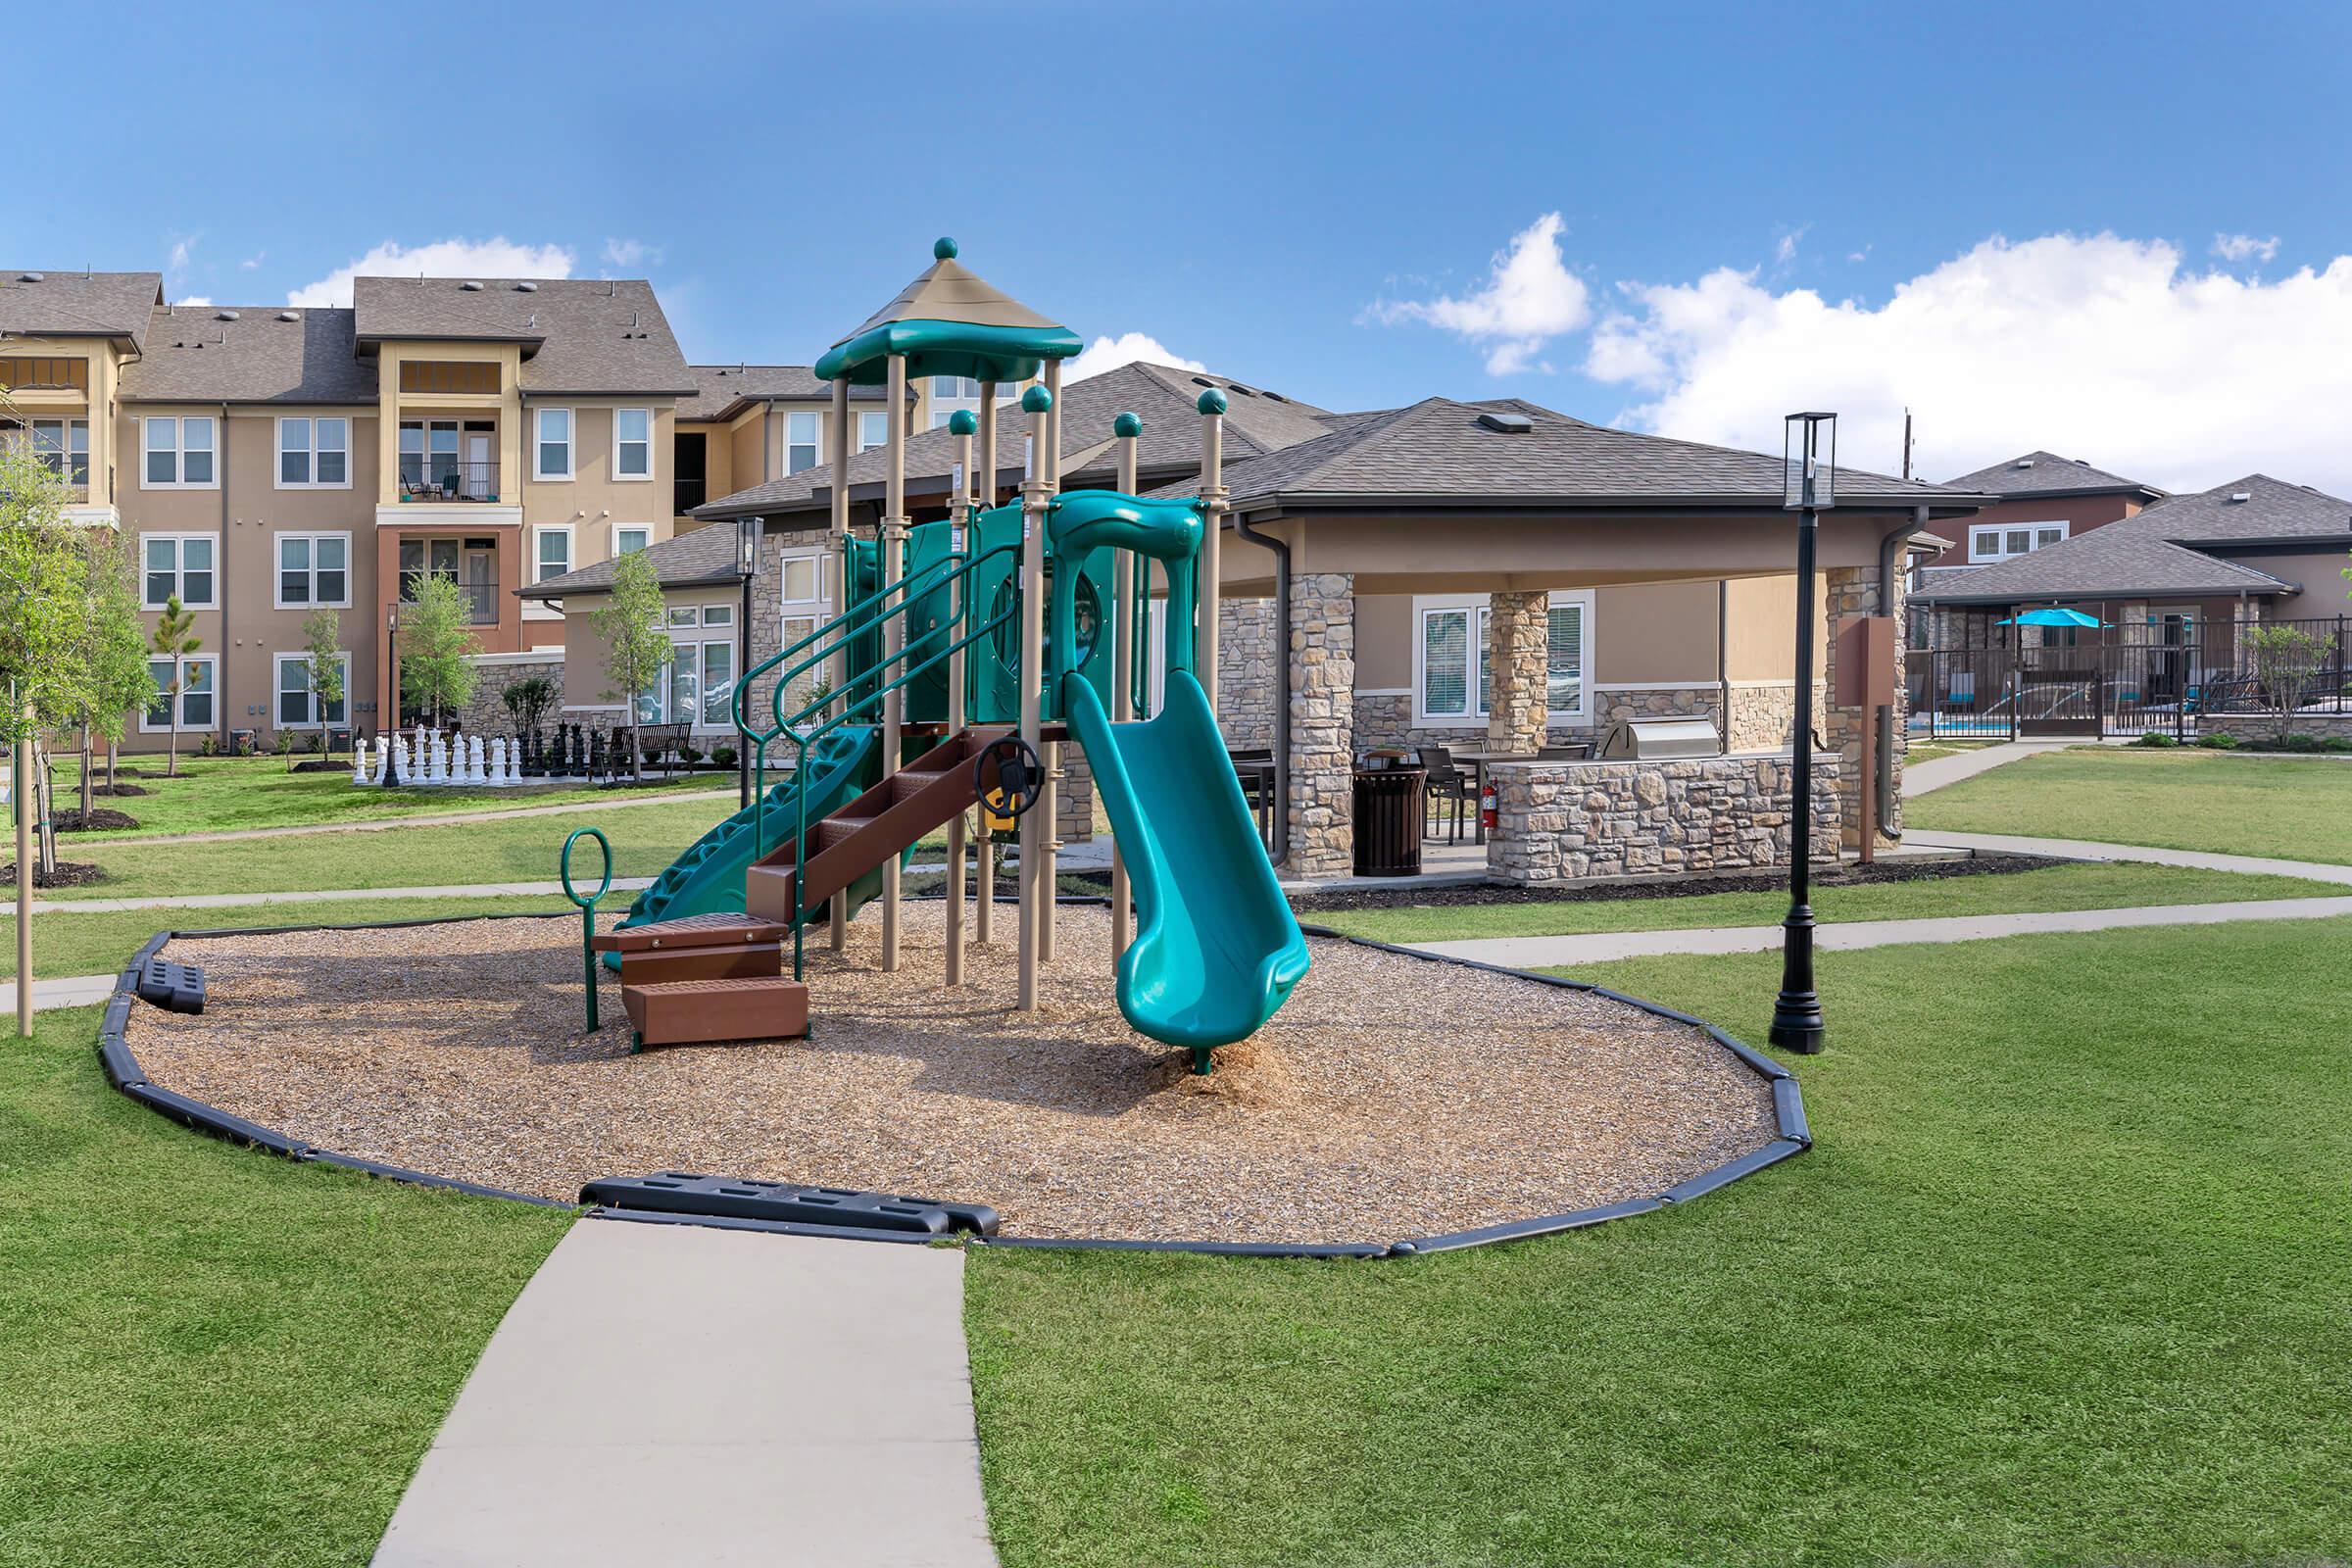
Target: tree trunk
88,762
171,753
636,750
112,751
44,799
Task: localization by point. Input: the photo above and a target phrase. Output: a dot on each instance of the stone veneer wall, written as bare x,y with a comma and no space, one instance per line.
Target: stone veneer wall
1322,657
487,713
1561,821
1249,681
1518,655
2264,726
1383,719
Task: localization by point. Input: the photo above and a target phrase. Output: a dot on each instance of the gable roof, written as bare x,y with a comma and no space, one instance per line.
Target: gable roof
112,305
696,559
723,390
2113,561
250,353
2272,508
1442,451
1256,421
2045,473
583,336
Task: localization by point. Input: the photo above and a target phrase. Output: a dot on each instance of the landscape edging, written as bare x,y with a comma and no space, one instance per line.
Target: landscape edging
1793,1137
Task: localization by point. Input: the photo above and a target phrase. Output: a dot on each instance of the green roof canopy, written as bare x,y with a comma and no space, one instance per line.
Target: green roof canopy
950,321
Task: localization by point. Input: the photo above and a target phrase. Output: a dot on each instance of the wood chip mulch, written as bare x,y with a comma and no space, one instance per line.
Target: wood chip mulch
1392,1096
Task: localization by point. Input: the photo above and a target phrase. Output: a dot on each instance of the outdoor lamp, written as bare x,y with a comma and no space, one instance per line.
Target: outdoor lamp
747,566
1809,452
747,546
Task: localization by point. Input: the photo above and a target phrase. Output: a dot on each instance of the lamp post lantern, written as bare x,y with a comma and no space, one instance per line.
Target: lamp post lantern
391,669
1809,452
747,567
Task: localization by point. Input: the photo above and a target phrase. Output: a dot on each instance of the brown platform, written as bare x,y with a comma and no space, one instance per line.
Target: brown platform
884,821
693,931
691,1012
749,960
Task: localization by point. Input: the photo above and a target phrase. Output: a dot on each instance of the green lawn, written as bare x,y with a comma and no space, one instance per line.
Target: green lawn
70,942
218,794
2064,1281
2054,888
208,1356
645,839
1929,750
2294,808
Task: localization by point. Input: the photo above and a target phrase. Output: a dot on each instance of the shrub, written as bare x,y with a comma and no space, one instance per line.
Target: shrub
2217,741
2337,742
2155,737
2301,743
690,753
724,755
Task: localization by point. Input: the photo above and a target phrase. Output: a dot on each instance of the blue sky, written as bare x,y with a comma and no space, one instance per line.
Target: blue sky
1316,195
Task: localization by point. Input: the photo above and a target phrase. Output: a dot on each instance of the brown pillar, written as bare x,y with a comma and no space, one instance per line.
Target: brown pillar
1854,591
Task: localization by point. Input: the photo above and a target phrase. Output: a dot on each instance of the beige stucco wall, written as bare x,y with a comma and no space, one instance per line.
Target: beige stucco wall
587,677
1654,633
1762,644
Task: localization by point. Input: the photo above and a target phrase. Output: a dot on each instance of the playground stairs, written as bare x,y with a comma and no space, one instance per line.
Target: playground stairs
885,820
707,978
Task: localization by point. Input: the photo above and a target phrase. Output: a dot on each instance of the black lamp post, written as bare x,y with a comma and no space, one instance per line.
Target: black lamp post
1809,452
747,566
391,670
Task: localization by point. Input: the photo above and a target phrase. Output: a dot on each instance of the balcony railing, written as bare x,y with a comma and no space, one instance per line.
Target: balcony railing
438,478
690,493
480,598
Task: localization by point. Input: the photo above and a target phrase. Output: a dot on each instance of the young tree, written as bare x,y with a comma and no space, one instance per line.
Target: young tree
528,702
115,651
629,626
436,651
322,656
2285,660
173,639
44,616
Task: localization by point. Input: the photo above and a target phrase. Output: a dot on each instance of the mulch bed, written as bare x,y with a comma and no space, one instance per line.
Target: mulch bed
70,874
101,818
1393,1096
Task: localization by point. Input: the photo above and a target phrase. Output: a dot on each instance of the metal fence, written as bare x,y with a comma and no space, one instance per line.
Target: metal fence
2118,680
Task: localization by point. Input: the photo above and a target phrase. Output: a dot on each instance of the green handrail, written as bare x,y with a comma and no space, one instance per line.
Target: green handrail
587,906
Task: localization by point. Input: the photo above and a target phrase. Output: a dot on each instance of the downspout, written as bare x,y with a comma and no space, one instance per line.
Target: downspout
1891,550
223,580
1723,657
1280,848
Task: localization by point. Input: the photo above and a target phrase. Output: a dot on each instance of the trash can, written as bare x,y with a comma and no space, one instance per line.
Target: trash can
1388,820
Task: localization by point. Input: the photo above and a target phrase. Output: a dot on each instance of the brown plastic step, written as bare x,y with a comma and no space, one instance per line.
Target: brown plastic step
719,930
752,960
694,1012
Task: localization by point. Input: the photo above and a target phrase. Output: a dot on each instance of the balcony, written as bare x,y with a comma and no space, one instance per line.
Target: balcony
440,479
480,598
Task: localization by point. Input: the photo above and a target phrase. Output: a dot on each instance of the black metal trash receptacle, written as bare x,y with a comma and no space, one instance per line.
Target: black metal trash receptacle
1388,820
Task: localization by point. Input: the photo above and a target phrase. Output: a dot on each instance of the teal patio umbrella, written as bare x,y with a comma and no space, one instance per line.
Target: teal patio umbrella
2053,617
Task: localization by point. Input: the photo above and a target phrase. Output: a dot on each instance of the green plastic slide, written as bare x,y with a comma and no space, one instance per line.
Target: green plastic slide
1215,950
708,880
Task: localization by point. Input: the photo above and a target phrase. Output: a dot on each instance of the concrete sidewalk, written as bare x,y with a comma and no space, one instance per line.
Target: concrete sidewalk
1923,778
67,991
1543,953
2086,850
675,1394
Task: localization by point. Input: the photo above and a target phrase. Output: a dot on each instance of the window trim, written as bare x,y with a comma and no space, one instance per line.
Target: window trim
541,531
571,444
277,569
858,442
1979,532
815,442
179,723
619,528
179,451
278,661
180,568
1475,716
314,482
647,477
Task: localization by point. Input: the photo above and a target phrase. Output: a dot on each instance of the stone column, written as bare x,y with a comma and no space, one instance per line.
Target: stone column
1322,694
1518,652
1854,591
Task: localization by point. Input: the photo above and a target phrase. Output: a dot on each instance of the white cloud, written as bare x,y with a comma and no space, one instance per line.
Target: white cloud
1784,251
180,249
1528,298
1110,353
194,299
2100,348
631,253
446,258
253,260
2238,247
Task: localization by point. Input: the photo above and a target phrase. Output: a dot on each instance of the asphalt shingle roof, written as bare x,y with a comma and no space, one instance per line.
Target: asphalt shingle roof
2045,473
256,356
79,303
2273,510
695,559
724,386
581,337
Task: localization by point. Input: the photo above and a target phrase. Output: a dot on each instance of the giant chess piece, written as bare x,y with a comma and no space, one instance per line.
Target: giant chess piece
596,755
399,759
383,756
512,772
474,761
359,763
498,759
438,768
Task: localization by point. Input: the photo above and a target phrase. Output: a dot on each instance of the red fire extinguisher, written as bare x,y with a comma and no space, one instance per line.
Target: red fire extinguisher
1486,806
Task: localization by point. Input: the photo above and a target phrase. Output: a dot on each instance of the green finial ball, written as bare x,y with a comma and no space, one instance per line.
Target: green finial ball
963,422
942,249
1037,400
1211,400
1126,424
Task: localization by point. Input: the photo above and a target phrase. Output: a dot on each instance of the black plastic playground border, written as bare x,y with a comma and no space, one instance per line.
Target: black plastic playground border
1793,1137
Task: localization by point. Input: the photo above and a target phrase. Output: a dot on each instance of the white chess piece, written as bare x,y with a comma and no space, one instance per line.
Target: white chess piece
473,761
359,763
399,759
498,759
436,759
383,757
515,761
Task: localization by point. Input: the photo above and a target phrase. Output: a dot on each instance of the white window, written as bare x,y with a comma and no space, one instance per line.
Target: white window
178,454
552,546
632,443
951,393
872,430
184,693
297,704
2011,540
313,570
719,615
682,616
801,437
805,605
62,446
176,563
551,447
1452,674
314,453
696,687
626,541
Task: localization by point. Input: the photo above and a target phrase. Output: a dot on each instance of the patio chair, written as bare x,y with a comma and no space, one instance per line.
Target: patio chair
1447,782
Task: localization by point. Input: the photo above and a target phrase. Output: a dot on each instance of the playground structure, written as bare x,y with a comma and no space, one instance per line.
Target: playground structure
1024,620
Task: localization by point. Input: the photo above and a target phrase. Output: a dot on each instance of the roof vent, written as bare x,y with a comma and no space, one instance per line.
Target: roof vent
289,316
526,287
2023,463
471,286
224,315
30,278
1202,380
2241,495
1242,390
1274,397
1507,423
